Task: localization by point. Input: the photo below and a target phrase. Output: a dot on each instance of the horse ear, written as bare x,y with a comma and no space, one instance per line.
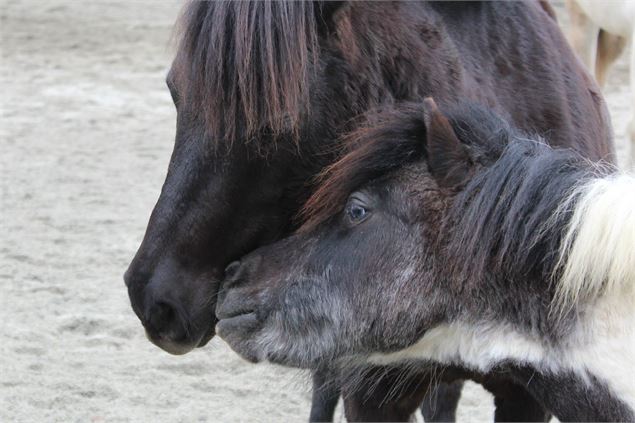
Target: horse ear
448,160
324,12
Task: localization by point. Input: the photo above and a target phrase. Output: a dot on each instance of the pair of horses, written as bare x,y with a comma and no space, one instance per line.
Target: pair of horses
264,92
454,240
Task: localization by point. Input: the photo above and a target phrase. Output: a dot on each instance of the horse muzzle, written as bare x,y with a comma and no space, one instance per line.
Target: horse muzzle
170,324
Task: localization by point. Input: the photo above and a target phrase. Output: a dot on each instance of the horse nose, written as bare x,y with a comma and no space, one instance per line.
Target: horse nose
136,276
234,273
127,277
159,318
239,271
162,321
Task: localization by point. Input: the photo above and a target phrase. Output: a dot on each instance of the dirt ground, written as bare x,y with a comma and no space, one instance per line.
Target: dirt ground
86,132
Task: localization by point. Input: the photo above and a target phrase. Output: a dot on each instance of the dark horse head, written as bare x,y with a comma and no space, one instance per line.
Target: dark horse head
240,85
262,91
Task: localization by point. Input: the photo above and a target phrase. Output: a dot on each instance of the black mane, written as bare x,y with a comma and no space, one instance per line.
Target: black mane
508,215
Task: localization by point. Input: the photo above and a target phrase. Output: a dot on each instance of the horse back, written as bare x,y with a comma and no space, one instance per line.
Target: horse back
509,56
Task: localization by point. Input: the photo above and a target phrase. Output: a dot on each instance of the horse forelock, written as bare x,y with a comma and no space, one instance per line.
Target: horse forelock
386,141
244,67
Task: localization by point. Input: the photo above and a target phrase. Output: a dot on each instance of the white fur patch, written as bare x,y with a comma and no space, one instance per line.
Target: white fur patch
604,346
597,255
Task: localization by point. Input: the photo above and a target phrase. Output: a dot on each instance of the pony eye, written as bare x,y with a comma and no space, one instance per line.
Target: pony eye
357,213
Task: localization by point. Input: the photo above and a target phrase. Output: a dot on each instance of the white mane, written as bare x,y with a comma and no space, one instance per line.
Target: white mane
597,254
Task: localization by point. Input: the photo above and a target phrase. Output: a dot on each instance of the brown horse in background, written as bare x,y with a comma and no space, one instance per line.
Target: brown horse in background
263,90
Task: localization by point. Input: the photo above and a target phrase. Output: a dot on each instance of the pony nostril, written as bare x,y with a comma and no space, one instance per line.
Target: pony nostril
232,269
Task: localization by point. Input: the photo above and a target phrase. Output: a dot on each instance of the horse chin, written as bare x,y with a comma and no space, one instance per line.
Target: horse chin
207,337
172,347
240,333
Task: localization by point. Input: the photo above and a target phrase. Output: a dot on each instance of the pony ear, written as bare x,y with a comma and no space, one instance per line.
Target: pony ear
324,12
448,160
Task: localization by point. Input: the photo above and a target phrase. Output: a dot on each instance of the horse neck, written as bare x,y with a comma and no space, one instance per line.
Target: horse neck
560,282
566,314
589,374
586,375
544,225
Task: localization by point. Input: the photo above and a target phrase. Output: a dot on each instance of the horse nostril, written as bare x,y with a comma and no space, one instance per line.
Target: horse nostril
232,269
161,318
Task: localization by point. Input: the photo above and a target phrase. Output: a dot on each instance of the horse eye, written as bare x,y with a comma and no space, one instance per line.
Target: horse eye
357,213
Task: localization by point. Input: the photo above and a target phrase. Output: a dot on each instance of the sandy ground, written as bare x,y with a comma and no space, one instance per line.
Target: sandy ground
86,133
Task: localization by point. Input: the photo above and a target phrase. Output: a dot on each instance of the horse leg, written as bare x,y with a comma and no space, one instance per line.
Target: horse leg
609,49
384,395
583,35
326,393
440,403
514,404
631,128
